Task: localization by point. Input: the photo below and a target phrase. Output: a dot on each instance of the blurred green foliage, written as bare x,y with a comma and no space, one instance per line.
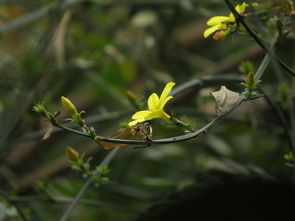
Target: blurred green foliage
93,53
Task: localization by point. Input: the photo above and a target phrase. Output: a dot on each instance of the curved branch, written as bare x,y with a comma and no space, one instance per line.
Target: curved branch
18,209
184,137
259,41
191,135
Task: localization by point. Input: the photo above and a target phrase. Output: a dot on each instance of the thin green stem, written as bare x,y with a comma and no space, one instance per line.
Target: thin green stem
75,202
18,209
262,67
188,136
101,118
109,157
281,117
195,83
180,138
63,200
259,41
292,117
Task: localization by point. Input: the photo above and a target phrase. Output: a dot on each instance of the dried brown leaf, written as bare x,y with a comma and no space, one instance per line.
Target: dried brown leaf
225,100
131,133
48,132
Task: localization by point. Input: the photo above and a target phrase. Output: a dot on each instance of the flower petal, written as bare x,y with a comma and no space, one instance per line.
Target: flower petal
217,20
132,123
158,114
165,101
154,102
241,8
211,30
140,115
232,17
166,91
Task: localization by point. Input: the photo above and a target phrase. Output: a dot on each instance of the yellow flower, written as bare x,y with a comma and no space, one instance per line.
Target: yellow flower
218,23
226,24
155,105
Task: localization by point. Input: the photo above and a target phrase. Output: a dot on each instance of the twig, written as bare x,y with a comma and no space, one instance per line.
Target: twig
292,118
64,200
259,41
191,135
193,83
161,141
106,161
263,66
19,211
90,120
36,15
281,117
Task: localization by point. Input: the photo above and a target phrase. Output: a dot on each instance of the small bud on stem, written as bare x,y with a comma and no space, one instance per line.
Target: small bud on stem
219,35
250,81
72,154
72,111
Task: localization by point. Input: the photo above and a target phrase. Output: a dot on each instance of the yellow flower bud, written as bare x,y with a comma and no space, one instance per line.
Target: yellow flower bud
70,108
73,155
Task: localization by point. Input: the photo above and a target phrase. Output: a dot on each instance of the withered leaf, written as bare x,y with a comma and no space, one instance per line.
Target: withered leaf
48,132
131,133
225,100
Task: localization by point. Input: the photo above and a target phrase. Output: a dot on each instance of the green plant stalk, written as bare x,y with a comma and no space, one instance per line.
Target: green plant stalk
282,118
113,152
18,209
292,132
75,202
181,124
64,200
180,138
259,41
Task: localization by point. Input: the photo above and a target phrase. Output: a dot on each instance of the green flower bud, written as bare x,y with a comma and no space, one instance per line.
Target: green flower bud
250,81
39,108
